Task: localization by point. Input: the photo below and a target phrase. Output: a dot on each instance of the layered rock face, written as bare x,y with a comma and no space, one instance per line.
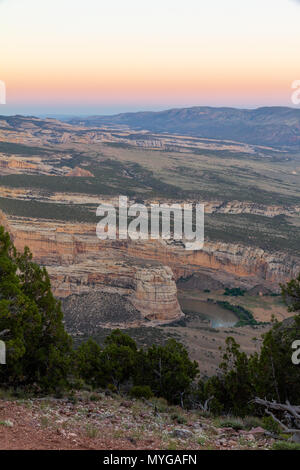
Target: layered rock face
144,272
13,163
78,263
211,207
67,248
156,292
234,262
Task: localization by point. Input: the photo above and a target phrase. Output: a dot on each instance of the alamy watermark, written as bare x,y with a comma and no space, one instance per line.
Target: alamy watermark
2,92
296,354
296,93
179,222
2,352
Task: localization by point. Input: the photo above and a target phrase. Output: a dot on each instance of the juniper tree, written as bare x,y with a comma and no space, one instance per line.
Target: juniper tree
38,347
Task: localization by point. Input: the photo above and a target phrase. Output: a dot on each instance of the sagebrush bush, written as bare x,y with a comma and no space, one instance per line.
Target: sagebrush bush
232,422
161,405
251,422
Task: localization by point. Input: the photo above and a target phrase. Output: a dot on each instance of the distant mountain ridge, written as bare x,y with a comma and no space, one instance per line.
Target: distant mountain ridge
271,126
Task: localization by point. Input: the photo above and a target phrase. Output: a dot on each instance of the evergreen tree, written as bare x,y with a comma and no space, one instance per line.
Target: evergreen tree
38,348
167,370
291,294
119,358
89,364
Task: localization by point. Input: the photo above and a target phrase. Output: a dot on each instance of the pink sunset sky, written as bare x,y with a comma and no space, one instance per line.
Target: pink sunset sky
96,57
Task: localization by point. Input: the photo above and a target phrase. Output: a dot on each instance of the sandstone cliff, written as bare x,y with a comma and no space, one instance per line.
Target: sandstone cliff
144,272
155,294
210,207
79,264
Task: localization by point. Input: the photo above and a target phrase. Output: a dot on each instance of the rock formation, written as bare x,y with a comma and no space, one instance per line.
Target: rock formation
77,171
155,294
144,272
78,263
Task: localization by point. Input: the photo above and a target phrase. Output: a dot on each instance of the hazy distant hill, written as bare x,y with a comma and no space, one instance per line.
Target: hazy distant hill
276,126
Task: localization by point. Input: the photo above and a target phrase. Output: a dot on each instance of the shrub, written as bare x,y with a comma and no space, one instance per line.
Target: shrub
111,389
178,418
285,445
161,405
72,398
95,397
234,292
141,391
252,422
231,422
245,316
270,425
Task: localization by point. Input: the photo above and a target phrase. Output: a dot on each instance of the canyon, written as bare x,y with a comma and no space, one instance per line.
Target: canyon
54,174
144,273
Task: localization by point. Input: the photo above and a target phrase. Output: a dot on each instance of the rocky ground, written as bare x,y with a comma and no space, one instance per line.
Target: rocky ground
97,421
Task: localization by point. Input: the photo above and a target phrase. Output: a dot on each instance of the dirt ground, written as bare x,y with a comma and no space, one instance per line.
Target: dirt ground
26,428
100,422
204,344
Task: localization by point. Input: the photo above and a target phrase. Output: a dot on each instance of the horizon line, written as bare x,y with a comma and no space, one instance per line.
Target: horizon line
53,115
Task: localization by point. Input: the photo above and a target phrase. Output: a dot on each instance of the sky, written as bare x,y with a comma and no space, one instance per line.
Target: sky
104,57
